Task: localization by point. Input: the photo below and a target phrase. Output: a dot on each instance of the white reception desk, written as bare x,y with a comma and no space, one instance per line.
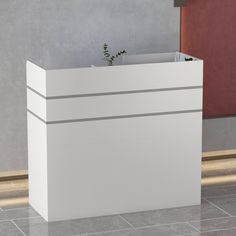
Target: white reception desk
110,140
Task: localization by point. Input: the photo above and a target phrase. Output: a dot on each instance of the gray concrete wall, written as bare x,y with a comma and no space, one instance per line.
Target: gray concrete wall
219,134
69,33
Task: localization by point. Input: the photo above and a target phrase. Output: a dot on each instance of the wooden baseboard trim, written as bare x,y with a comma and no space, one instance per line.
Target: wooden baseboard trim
206,156
216,155
219,180
13,175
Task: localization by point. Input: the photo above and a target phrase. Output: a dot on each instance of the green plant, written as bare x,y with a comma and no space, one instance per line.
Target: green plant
188,59
108,58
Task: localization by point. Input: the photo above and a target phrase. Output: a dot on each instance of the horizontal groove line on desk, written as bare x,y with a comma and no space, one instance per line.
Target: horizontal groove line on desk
114,117
112,93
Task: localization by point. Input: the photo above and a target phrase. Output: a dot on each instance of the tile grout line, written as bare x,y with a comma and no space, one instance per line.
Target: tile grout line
174,223
211,203
19,208
192,233
18,227
216,230
207,231
127,222
217,218
220,186
187,234
157,225
23,218
198,231
80,235
224,195
109,231
29,217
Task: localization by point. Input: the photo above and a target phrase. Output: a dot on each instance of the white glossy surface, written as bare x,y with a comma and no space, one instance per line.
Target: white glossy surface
124,165
118,78
114,105
38,165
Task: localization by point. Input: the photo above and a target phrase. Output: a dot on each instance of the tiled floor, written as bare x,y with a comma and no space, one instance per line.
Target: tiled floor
215,217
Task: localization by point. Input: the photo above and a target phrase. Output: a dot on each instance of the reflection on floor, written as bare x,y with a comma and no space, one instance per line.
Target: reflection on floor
215,217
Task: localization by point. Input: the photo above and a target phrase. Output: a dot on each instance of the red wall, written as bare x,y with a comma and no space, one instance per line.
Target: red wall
208,31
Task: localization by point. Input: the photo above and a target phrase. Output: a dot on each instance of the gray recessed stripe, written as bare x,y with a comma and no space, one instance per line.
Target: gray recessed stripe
34,91
32,113
114,117
112,93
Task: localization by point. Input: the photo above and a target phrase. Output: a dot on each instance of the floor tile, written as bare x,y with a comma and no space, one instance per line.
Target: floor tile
113,233
228,232
214,191
17,213
174,215
38,227
215,224
227,203
164,230
9,229
33,226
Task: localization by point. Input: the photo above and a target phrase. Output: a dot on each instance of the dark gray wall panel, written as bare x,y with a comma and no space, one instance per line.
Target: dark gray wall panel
219,134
